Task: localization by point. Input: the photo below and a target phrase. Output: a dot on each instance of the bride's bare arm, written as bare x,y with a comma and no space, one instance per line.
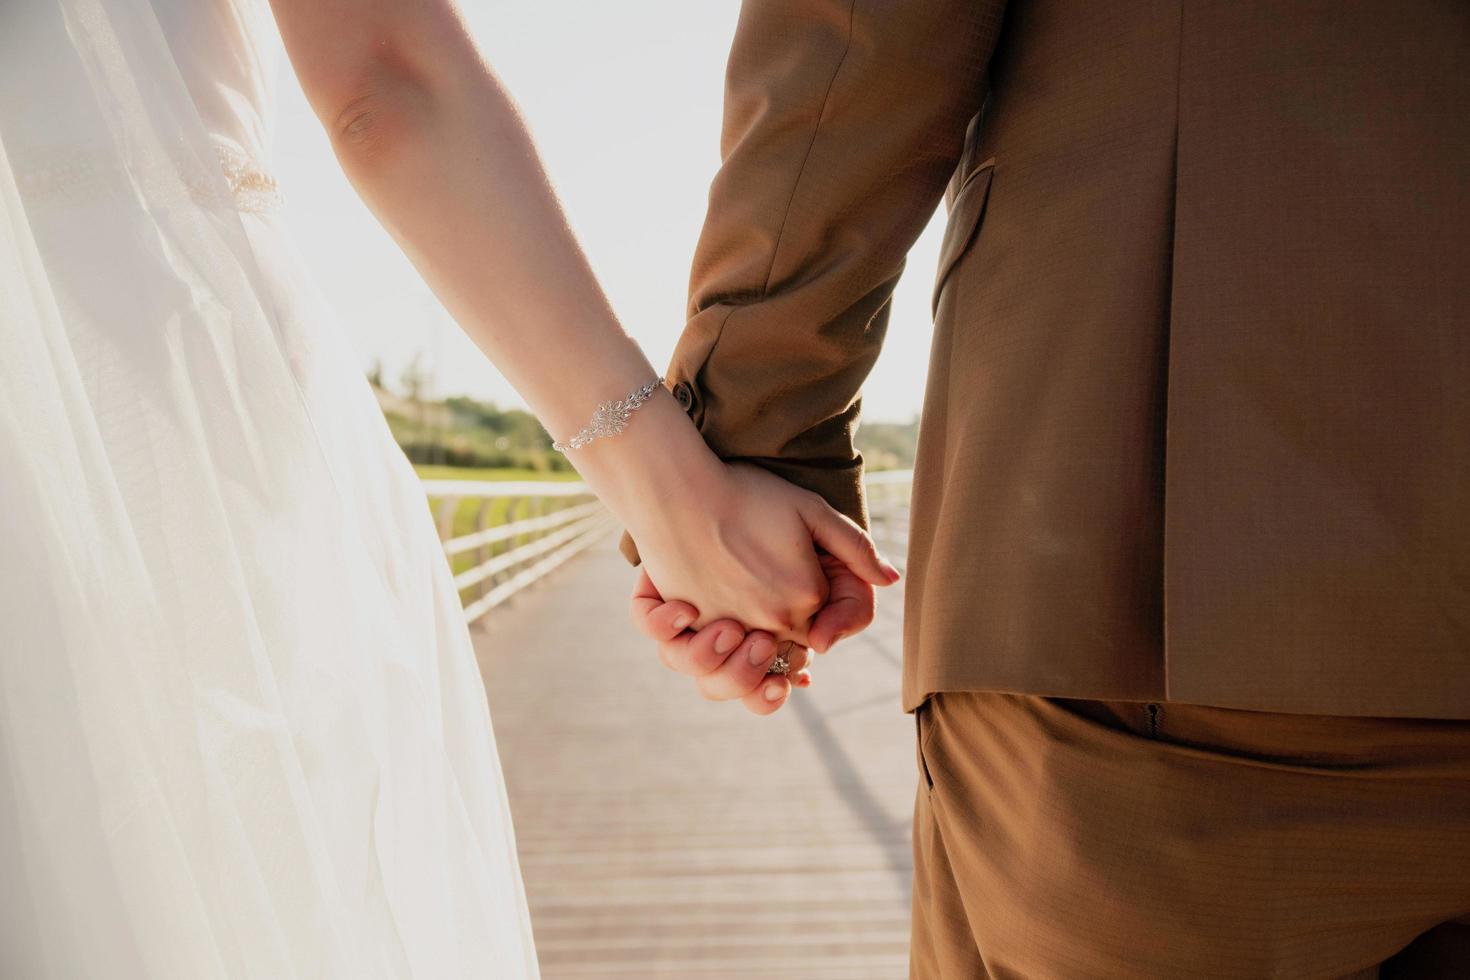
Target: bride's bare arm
436,148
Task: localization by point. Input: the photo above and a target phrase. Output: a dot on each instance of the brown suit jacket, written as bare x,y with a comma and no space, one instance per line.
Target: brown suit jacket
1198,414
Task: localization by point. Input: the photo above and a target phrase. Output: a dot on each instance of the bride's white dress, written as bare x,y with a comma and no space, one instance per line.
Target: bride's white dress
242,733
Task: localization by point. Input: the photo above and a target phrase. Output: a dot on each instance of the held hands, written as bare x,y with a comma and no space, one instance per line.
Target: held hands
774,569
749,562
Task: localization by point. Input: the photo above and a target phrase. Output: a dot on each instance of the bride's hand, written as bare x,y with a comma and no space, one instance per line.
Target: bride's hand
734,540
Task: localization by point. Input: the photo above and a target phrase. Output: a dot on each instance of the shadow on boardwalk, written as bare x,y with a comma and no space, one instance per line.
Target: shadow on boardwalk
662,836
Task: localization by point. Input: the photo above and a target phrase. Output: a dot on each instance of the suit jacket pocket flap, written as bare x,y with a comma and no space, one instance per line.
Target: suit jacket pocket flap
965,211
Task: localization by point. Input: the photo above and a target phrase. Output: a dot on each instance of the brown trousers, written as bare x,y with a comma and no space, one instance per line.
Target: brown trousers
1093,839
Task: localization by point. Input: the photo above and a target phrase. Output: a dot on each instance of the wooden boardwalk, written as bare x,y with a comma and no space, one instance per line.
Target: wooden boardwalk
663,836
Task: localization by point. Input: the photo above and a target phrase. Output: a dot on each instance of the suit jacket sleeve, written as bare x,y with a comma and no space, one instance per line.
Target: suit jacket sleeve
843,121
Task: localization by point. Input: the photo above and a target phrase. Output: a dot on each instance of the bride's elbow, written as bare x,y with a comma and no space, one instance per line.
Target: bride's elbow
377,78
378,121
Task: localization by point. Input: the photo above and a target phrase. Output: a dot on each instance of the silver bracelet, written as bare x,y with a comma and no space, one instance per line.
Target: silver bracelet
611,418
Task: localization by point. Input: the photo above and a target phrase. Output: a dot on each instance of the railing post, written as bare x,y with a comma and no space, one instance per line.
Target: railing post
444,519
483,552
511,544
538,507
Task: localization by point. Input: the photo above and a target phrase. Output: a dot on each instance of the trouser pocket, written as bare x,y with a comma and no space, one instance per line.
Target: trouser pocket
924,726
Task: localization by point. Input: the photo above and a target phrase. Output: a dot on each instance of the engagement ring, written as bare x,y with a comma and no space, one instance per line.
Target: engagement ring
780,665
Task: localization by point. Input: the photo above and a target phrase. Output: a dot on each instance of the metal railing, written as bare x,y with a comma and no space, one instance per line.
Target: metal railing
501,537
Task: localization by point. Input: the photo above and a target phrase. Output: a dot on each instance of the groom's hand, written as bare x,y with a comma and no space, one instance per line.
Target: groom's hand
849,608
727,662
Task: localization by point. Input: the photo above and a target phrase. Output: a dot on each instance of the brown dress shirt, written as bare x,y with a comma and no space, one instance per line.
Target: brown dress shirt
1197,425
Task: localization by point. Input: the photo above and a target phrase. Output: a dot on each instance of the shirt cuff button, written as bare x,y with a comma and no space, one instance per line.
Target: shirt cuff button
684,395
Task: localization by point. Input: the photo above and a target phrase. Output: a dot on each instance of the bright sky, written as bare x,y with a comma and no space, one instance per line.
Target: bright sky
624,100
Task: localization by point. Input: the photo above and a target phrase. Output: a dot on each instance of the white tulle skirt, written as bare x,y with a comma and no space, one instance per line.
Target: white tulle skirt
242,732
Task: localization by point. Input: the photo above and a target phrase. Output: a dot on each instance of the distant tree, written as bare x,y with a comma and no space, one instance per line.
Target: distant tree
416,379
462,431
888,445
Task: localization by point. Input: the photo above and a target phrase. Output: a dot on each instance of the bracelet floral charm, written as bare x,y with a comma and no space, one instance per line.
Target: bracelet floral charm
611,418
